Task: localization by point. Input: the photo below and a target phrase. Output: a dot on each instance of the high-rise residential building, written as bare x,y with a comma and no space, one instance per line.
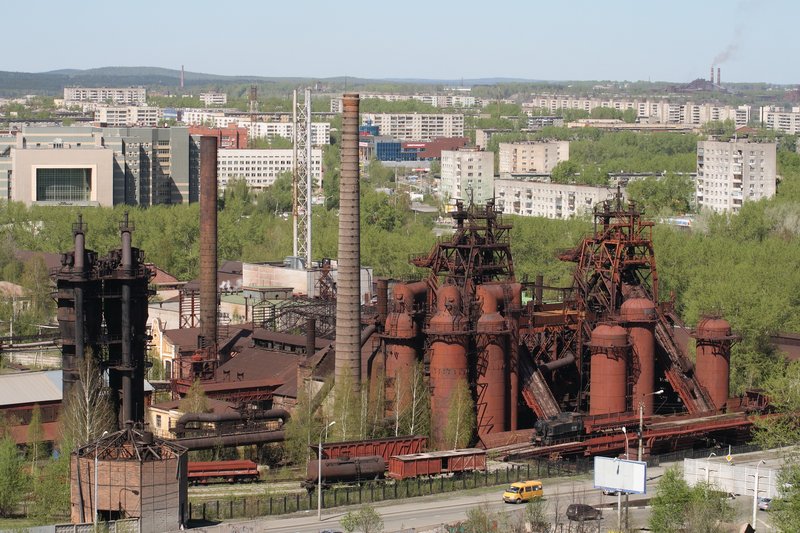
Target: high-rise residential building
467,174
260,168
540,198
131,115
416,126
531,157
100,166
777,119
111,95
734,172
320,131
214,98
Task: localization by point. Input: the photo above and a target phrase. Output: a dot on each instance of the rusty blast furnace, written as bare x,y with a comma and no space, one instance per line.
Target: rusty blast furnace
575,363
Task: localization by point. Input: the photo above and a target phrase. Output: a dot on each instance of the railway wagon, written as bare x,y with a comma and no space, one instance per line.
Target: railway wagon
201,472
343,469
386,447
435,463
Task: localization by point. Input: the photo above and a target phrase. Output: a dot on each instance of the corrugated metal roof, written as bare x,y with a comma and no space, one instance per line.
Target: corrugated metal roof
30,387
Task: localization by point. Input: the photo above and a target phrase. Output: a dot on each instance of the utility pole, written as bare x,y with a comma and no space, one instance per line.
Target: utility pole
302,179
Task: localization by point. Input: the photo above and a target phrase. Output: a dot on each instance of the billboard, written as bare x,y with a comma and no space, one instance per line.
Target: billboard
620,474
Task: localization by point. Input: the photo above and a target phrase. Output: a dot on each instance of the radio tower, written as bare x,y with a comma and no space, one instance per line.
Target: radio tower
302,188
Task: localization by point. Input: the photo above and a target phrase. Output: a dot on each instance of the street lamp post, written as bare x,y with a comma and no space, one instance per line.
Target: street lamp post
712,454
641,417
319,471
755,494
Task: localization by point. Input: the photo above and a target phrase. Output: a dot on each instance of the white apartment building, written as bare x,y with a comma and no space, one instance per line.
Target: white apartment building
416,126
467,173
320,131
127,115
531,157
658,111
261,167
212,98
731,173
531,198
436,100
779,120
117,95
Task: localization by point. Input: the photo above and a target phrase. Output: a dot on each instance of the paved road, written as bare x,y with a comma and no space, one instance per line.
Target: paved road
428,512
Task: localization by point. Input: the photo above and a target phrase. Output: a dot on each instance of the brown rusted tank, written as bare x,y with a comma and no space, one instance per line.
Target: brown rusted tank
714,338
639,315
448,365
608,383
402,340
492,341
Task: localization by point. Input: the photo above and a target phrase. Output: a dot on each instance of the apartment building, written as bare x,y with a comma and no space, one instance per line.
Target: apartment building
531,157
100,166
260,168
416,126
112,116
537,197
116,95
320,131
777,119
436,100
658,111
734,172
213,98
467,174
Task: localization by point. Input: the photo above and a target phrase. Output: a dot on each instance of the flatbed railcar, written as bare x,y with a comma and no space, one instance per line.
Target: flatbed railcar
203,472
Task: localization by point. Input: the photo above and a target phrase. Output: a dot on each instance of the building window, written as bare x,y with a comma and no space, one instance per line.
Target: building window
63,184
158,421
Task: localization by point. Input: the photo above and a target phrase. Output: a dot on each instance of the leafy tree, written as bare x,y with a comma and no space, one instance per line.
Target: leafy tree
678,507
670,194
87,412
536,515
195,400
412,402
365,520
51,497
786,509
277,198
460,418
303,428
13,482
479,520
36,448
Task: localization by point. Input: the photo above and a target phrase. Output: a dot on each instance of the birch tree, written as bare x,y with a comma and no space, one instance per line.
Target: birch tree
87,411
460,418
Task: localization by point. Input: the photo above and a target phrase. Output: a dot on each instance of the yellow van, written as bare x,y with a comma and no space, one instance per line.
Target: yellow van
523,491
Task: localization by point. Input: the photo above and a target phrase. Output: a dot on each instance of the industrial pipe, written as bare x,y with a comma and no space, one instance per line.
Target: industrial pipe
180,425
568,359
237,439
127,362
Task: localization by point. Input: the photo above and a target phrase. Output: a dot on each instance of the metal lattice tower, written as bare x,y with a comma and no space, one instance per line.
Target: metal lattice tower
302,188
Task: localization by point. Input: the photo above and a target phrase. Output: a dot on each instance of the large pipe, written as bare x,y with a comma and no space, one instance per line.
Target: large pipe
208,240
383,301
538,290
348,286
127,363
79,268
235,416
237,439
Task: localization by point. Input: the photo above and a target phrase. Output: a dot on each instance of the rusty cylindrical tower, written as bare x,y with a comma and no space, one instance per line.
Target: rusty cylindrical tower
713,337
448,354
208,241
639,315
402,343
492,343
348,289
608,381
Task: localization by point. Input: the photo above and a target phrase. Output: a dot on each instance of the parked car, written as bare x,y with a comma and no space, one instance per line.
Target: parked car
610,492
763,503
580,512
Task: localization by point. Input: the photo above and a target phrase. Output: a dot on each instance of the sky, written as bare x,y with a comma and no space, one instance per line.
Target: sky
666,40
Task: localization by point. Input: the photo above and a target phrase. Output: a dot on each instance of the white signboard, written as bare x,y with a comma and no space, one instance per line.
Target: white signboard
620,474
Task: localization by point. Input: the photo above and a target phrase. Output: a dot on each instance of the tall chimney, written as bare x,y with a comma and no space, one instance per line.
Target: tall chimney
348,286
712,74
718,76
127,361
182,76
208,241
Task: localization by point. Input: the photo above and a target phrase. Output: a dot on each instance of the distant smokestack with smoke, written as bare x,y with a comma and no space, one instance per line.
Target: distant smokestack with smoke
711,78
718,76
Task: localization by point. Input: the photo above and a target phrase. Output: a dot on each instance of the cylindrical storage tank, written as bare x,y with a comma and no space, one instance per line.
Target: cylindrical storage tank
639,315
448,356
713,358
608,382
491,367
343,469
401,356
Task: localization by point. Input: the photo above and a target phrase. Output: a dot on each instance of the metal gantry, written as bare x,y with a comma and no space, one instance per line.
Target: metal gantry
302,187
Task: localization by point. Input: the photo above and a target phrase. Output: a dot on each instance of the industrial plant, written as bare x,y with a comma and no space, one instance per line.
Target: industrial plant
552,371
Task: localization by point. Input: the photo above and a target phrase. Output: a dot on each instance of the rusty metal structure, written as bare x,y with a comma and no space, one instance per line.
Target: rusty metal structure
102,313
571,364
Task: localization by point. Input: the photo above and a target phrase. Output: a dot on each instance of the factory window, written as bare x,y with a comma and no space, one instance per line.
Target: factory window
63,184
158,421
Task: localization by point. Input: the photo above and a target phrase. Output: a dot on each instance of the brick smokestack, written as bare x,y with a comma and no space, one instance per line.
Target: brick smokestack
712,74
208,241
719,82
348,285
